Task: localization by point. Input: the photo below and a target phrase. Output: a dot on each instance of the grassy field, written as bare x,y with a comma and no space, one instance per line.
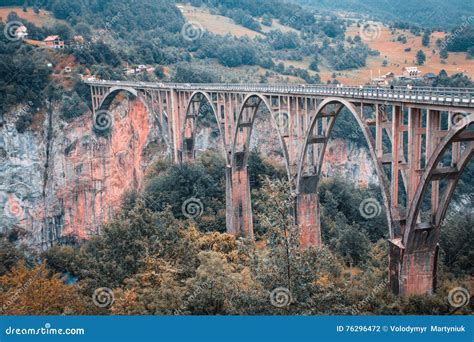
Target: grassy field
216,23
397,58
222,25
44,18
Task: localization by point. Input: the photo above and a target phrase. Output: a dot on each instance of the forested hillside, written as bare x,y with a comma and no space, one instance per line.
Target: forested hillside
428,13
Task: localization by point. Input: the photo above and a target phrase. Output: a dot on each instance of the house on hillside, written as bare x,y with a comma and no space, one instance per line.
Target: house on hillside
21,32
78,39
54,42
412,72
383,80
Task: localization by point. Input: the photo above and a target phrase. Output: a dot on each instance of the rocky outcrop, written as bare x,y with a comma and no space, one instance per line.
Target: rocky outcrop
65,179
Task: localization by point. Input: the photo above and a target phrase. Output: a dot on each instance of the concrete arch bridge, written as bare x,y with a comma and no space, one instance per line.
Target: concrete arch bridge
420,141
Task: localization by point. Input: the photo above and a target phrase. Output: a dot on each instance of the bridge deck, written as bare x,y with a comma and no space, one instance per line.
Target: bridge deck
462,97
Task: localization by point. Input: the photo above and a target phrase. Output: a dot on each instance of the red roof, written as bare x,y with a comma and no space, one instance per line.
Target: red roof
21,29
51,38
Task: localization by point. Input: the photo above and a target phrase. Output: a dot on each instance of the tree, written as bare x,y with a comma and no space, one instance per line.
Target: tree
470,52
314,64
420,57
72,106
198,184
155,290
36,9
443,54
266,20
9,255
34,292
425,40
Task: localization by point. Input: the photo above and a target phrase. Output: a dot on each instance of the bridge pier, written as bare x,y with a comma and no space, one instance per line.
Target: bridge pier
413,266
307,219
238,206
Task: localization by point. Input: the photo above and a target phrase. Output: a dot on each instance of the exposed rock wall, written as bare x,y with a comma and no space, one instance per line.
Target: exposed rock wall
70,180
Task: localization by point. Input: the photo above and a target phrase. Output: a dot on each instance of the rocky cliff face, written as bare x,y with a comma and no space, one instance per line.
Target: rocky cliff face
60,178
63,179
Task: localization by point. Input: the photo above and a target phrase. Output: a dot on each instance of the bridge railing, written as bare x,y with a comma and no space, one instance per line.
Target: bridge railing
442,95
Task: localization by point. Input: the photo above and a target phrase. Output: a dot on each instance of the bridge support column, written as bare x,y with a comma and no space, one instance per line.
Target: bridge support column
307,219
412,272
238,207
308,212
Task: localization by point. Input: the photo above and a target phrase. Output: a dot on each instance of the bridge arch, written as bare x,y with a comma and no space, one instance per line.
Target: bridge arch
112,93
307,184
239,212
244,128
189,123
433,172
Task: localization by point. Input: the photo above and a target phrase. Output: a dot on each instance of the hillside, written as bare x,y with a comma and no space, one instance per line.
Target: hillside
384,41
43,18
436,14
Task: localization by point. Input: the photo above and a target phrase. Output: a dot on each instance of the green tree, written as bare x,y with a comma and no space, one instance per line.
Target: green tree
420,57
443,53
425,40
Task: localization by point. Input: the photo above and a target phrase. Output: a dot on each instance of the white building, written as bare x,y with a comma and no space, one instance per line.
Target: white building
21,32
